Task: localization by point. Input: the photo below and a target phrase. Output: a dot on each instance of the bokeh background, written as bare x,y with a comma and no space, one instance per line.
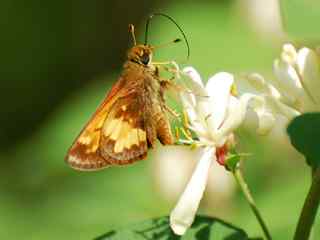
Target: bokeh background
58,59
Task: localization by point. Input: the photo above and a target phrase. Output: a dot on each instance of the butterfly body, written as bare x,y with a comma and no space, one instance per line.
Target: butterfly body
129,120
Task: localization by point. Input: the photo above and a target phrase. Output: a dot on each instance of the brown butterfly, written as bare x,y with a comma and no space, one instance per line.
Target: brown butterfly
130,119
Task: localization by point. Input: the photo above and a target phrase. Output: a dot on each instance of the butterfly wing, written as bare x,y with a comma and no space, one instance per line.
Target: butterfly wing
83,154
116,133
129,121
124,135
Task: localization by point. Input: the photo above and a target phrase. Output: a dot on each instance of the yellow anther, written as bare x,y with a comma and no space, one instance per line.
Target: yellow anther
234,90
177,133
185,119
187,134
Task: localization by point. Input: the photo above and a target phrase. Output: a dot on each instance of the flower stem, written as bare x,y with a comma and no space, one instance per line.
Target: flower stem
309,209
245,189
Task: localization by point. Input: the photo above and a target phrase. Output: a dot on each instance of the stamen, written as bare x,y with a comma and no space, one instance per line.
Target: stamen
234,90
186,134
177,133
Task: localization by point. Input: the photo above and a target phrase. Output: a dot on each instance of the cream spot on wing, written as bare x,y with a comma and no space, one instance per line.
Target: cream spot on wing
124,107
117,129
76,160
132,138
124,135
86,140
125,129
110,125
73,159
119,145
142,135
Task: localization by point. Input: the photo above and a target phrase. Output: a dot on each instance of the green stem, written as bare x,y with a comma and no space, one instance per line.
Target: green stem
245,189
309,210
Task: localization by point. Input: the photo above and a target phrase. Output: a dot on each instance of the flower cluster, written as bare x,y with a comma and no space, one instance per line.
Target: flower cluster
296,89
214,112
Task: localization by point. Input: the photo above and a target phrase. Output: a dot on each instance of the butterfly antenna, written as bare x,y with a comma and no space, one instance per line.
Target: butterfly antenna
174,22
131,30
167,43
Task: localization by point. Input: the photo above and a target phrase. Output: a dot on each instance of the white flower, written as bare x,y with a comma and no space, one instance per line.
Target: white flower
298,75
296,90
276,102
170,182
214,113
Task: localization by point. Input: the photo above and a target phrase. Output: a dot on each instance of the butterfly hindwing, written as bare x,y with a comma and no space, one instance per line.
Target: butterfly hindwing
123,135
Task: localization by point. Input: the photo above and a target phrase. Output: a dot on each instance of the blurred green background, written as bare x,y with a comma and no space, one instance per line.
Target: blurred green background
58,59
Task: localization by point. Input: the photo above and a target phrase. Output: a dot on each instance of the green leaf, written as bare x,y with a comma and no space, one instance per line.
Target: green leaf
300,18
304,132
203,228
232,162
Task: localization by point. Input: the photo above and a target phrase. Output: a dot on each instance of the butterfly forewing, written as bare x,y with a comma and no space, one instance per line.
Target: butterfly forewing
83,154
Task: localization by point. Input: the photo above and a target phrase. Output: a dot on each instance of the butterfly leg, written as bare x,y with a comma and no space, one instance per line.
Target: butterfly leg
174,69
171,111
171,67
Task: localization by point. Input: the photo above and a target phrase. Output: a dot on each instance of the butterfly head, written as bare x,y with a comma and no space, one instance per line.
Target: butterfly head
141,54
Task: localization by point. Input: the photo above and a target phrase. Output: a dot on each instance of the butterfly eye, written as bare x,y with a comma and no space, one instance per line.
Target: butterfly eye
145,58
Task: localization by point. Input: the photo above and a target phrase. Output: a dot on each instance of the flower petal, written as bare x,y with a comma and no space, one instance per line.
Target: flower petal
197,96
238,109
277,106
309,68
266,120
196,83
289,54
218,88
275,102
265,88
188,99
257,82
189,104
288,80
236,114
184,213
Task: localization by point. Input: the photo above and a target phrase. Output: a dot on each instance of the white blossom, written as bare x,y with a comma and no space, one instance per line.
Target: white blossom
213,113
298,75
296,89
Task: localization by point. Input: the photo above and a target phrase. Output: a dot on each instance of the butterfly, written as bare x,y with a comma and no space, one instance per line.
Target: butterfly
130,119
